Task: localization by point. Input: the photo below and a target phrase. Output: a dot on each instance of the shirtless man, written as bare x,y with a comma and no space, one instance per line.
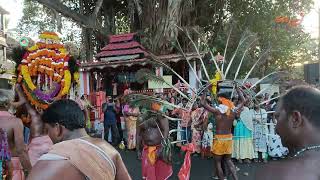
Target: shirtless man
75,155
151,131
40,141
13,127
225,114
298,115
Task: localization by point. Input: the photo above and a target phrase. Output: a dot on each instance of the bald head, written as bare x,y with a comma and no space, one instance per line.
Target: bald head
304,99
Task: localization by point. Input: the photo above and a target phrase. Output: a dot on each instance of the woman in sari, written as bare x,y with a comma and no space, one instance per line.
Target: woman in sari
198,116
131,115
260,133
243,141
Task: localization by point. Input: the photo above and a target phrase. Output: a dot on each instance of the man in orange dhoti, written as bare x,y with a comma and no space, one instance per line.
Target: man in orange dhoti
225,114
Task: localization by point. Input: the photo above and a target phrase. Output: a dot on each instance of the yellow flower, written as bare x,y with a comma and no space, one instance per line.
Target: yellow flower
26,76
49,36
33,48
214,82
67,83
63,50
76,77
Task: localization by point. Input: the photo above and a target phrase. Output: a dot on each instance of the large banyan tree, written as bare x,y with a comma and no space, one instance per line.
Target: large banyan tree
159,21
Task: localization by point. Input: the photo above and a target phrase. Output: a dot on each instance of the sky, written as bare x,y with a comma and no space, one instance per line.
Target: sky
311,20
14,7
310,23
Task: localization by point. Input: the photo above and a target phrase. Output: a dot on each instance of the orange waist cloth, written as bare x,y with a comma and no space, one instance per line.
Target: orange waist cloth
151,153
154,168
222,144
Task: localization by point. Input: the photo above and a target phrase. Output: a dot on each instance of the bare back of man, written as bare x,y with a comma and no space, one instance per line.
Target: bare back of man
14,129
224,123
223,128
151,133
222,146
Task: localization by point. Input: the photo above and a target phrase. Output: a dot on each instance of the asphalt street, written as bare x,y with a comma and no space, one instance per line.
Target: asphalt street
201,169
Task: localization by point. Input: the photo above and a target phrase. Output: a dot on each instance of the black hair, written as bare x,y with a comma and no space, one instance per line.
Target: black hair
65,112
304,99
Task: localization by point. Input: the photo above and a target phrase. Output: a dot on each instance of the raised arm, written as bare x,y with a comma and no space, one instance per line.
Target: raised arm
243,98
36,122
22,100
164,126
207,106
20,146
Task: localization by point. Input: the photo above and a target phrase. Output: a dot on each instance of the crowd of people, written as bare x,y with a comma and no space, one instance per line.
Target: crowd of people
231,129
253,130
253,136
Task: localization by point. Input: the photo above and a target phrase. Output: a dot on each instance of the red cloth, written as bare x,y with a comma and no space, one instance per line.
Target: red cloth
184,173
100,98
159,171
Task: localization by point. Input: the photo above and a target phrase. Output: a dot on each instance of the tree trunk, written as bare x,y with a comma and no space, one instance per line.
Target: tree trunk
87,44
160,20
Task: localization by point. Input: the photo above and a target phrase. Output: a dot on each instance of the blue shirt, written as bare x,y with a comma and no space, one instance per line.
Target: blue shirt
110,116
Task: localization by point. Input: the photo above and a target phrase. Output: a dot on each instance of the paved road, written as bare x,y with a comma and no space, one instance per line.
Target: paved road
201,169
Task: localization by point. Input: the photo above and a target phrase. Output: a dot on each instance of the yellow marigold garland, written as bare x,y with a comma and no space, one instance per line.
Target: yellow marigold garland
50,60
27,78
67,83
49,35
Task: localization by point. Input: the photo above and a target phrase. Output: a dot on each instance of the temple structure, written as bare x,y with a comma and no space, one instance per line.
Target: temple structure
114,69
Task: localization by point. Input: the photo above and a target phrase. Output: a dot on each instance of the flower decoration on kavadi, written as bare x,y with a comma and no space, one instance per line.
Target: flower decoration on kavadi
43,73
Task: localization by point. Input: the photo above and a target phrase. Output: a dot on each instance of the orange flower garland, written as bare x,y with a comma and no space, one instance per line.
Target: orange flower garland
45,63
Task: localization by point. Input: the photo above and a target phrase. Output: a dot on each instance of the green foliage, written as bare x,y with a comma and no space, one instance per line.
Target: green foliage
36,18
213,19
73,66
288,44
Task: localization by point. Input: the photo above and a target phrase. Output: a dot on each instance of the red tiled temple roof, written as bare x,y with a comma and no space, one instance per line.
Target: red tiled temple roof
121,37
120,46
121,52
142,61
128,45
